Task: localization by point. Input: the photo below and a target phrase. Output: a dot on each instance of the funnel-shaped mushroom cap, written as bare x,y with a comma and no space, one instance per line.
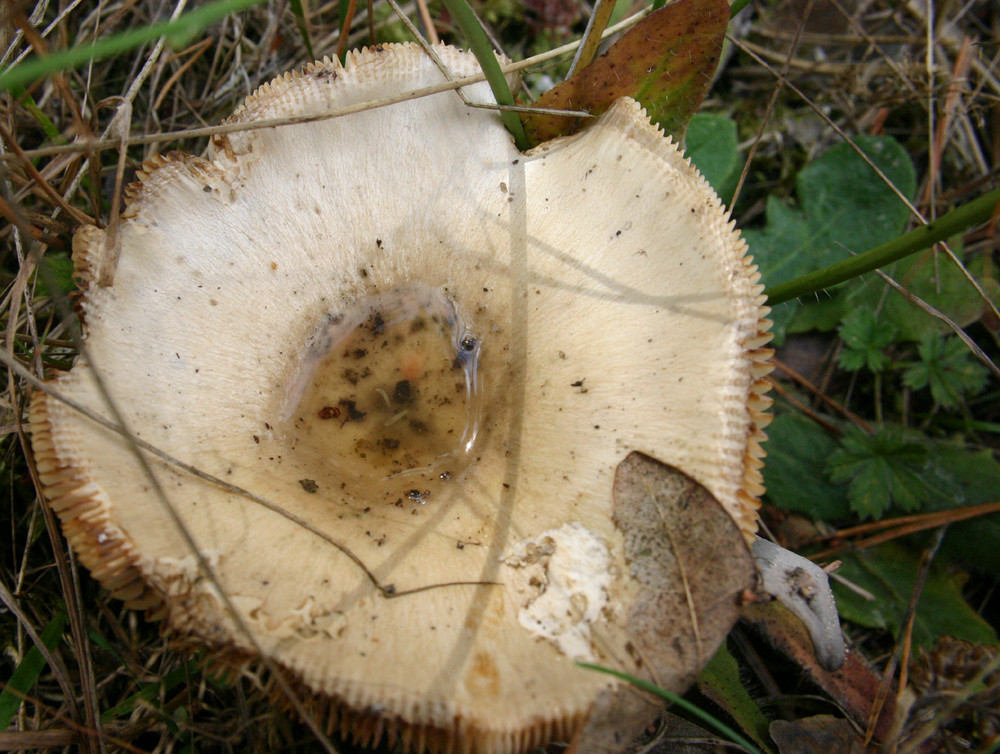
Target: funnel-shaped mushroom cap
433,349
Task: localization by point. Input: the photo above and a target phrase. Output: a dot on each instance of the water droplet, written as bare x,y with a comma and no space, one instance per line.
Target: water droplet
386,396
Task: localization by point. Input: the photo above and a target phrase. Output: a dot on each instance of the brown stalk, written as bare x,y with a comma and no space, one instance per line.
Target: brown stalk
816,417
345,30
808,385
900,527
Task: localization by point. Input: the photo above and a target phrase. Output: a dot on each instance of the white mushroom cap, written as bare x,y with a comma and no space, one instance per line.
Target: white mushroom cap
612,308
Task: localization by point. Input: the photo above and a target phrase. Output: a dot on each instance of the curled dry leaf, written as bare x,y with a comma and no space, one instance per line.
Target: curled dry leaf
691,564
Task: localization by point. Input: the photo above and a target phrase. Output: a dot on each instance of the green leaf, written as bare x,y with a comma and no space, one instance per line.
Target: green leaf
178,32
795,478
665,61
945,366
825,313
967,476
883,471
786,228
865,338
710,143
935,279
28,670
56,271
958,220
842,205
888,572
720,682
849,207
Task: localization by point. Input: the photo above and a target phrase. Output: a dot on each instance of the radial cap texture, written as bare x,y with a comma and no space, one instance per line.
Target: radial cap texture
434,351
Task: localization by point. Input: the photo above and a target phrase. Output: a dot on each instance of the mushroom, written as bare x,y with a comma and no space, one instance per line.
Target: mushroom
384,368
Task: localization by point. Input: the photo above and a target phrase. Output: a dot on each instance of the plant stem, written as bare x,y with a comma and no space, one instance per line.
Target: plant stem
959,219
481,48
178,31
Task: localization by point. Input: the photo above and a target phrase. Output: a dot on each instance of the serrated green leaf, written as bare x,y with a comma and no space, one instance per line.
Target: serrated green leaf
888,572
710,143
824,313
966,477
795,478
787,231
865,337
665,61
883,471
842,205
946,367
937,281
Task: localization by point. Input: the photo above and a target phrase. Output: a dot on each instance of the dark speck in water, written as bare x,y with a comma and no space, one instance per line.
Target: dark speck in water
403,392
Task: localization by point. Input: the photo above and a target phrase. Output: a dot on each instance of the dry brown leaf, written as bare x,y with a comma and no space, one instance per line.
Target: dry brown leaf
820,734
693,565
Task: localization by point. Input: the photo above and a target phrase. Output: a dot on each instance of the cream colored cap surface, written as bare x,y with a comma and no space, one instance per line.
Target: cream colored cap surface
435,350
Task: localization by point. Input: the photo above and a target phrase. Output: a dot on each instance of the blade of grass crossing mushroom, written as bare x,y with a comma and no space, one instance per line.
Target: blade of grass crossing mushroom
481,48
685,705
972,213
178,32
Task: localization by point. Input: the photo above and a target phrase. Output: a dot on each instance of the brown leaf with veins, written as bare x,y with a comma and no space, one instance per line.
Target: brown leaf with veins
819,734
666,62
693,565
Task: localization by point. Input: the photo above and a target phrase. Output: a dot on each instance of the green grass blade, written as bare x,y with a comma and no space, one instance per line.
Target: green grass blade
481,48
29,104
959,219
27,672
591,41
691,709
300,21
178,32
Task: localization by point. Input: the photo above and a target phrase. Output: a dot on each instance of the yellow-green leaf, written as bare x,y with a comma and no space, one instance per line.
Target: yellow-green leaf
665,61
